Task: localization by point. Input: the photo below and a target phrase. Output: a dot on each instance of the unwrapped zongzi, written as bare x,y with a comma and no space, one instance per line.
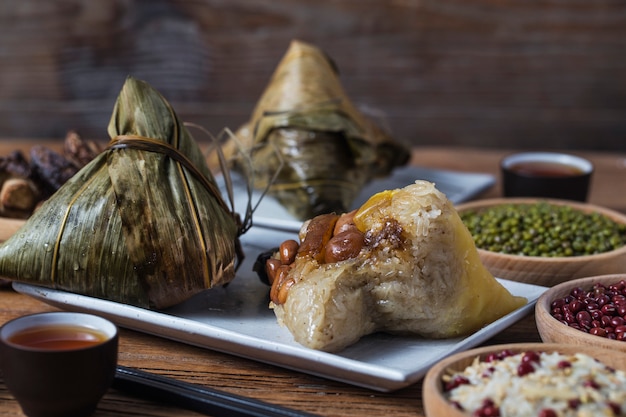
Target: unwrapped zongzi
402,263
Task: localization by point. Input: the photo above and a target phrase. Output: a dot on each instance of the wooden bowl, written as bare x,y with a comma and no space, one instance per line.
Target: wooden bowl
435,402
555,270
553,331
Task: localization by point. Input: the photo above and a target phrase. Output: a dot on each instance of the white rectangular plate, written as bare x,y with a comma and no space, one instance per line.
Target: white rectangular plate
236,320
457,186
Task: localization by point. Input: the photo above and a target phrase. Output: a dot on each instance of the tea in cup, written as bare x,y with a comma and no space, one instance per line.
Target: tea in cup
546,174
58,363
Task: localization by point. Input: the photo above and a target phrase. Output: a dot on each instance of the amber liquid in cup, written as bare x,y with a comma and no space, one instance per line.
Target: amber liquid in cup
546,174
58,364
58,337
545,169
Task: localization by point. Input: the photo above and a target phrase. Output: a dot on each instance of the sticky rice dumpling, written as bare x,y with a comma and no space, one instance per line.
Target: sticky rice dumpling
308,142
143,223
402,263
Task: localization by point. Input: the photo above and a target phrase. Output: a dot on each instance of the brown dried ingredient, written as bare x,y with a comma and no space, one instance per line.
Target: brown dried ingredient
345,245
50,169
288,251
40,177
318,233
329,238
282,277
19,194
271,268
15,165
80,152
391,235
345,223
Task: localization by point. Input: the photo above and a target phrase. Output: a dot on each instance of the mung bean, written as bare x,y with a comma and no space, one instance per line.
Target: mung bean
543,229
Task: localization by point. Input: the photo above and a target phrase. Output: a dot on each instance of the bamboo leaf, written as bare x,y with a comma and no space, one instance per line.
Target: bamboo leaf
141,224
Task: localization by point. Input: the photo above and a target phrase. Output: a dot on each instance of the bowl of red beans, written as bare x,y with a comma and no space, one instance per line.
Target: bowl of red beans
585,312
527,380
546,241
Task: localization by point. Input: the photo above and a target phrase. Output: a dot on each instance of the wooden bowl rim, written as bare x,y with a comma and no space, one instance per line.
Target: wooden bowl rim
432,389
585,207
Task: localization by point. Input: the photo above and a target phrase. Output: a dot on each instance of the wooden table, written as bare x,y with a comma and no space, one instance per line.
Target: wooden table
288,388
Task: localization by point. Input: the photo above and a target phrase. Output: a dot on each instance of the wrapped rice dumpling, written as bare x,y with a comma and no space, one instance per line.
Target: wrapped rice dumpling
402,263
143,223
307,134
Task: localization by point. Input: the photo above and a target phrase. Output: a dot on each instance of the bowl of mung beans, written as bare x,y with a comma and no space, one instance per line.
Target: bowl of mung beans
587,311
546,241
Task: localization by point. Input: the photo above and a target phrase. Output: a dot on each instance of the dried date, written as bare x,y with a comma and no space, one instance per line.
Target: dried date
50,169
79,151
15,165
42,175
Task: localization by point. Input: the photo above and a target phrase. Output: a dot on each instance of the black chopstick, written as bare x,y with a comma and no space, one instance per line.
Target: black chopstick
194,397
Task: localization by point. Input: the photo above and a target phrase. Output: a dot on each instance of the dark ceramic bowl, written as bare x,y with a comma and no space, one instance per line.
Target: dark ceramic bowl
66,380
546,174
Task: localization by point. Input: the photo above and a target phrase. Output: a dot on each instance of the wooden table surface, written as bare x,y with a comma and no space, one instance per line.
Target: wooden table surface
289,388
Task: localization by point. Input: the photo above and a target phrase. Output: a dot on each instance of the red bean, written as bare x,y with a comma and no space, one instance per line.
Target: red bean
576,306
456,382
617,410
525,368
619,299
531,356
564,364
547,412
577,292
573,403
609,309
597,331
583,318
603,299
488,409
499,355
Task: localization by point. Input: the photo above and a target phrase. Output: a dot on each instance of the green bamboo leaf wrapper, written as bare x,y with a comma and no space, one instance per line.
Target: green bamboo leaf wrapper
135,225
305,122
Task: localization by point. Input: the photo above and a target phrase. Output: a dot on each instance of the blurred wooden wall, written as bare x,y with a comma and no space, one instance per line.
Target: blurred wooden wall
492,73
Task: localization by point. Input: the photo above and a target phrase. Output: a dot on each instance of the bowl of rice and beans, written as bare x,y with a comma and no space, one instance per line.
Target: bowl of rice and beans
528,379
